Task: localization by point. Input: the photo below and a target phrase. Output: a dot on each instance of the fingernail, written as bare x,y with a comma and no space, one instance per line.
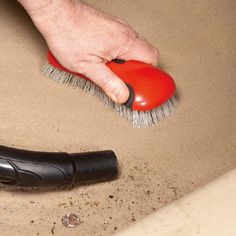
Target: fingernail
114,98
122,95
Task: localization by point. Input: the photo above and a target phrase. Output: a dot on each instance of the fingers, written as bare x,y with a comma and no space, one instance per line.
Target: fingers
141,50
113,86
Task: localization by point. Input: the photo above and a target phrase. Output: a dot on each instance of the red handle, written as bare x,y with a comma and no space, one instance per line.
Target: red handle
152,87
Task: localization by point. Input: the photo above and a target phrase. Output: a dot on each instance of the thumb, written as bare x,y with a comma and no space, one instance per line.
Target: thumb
141,50
112,85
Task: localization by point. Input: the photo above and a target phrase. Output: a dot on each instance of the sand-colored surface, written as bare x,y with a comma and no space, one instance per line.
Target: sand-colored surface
158,165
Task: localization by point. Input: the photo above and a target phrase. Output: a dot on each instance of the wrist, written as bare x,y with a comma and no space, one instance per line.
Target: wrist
32,6
45,8
46,13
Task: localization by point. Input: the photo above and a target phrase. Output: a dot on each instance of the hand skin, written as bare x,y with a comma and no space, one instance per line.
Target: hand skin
84,39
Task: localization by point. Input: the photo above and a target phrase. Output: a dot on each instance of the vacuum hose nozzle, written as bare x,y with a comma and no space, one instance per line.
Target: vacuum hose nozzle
30,168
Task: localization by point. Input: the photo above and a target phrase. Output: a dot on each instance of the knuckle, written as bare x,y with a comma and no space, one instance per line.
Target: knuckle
78,64
112,84
128,33
106,81
128,38
78,67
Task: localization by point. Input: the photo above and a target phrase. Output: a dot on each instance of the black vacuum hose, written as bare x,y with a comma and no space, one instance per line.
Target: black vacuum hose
30,168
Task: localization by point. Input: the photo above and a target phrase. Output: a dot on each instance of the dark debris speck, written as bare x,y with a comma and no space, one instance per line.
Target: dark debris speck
52,230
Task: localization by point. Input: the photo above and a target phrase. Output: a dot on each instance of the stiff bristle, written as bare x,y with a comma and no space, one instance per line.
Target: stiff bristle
139,119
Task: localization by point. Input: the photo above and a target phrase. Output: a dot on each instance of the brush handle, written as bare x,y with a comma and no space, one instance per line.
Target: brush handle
29,168
149,86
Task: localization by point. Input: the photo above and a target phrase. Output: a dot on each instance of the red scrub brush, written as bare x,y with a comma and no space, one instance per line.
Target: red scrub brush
151,90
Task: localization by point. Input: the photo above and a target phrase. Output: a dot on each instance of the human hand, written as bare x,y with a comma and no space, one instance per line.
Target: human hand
84,39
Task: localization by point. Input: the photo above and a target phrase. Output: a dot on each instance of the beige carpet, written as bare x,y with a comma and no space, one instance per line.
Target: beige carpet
196,40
